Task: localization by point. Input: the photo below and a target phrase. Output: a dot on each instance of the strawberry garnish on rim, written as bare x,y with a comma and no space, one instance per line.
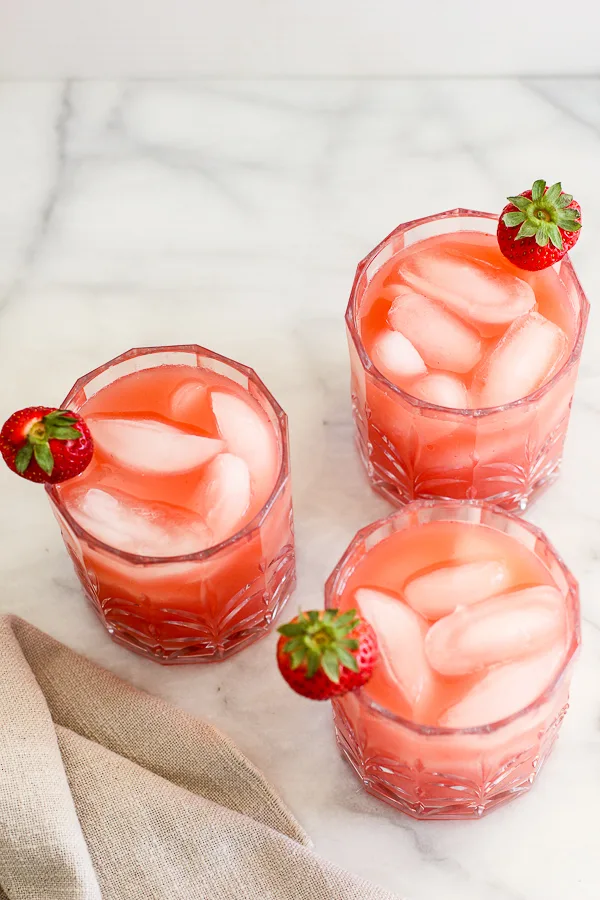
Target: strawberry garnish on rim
539,226
44,444
325,653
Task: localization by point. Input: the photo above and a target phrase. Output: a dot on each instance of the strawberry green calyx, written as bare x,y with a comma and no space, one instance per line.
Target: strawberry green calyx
319,640
543,215
58,426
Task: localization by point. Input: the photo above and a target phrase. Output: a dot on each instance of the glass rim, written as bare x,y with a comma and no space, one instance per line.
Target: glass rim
479,412
244,533
332,584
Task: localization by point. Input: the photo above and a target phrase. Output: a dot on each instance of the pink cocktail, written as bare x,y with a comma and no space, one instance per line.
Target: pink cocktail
181,527
463,365
477,620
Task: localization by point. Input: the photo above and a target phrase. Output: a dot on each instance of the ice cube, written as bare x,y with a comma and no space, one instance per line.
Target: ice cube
150,445
530,351
505,690
484,295
441,389
401,634
443,340
498,630
250,437
396,358
190,404
137,526
439,592
224,495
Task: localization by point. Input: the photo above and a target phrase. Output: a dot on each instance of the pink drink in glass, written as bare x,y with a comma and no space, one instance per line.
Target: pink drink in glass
463,365
181,527
478,621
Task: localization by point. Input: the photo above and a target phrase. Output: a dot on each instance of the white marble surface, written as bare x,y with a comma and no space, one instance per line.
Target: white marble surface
232,215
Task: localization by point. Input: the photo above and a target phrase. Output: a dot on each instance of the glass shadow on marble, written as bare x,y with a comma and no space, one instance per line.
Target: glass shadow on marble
435,772
415,449
202,606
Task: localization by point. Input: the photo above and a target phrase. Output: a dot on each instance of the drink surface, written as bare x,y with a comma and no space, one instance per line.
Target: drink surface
471,625
451,321
184,458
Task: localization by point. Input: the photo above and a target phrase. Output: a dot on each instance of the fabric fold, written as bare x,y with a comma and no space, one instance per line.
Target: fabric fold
107,792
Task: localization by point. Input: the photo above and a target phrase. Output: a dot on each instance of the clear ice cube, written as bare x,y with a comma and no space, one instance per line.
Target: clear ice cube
224,495
523,359
498,630
443,340
190,405
151,446
137,526
439,592
401,634
441,389
396,358
484,295
505,690
249,436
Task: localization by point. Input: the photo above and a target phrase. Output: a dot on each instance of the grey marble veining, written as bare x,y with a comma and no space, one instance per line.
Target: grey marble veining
232,214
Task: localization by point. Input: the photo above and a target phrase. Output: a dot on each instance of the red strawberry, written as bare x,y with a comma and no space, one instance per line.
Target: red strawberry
322,654
45,444
539,226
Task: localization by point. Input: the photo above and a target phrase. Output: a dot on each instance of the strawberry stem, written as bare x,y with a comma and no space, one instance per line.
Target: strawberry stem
544,216
57,426
319,640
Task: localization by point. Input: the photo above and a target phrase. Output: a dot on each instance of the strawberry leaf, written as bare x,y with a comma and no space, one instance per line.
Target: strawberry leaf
567,221
44,458
526,230
297,657
294,644
292,629
59,417
349,643
520,202
23,457
63,433
314,661
564,200
555,235
346,659
541,237
331,666
553,193
538,189
348,620
511,219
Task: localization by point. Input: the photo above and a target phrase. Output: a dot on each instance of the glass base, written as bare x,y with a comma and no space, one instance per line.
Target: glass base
400,484
424,794
177,637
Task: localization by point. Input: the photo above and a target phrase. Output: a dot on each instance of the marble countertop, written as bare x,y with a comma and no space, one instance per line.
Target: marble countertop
232,214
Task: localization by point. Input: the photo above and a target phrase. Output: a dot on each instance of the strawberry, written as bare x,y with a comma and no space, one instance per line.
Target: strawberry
45,444
539,226
322,654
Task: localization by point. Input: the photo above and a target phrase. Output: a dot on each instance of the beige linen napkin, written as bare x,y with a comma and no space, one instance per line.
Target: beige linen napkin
108,792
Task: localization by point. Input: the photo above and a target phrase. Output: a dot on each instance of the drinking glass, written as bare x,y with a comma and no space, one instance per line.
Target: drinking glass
432,772
203,606
505,454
